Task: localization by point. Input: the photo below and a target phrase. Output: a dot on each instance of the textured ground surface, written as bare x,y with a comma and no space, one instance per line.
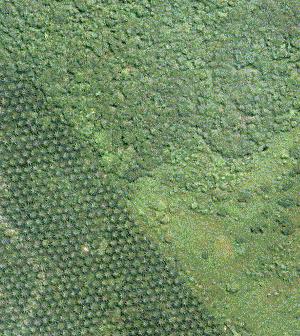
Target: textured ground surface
149,167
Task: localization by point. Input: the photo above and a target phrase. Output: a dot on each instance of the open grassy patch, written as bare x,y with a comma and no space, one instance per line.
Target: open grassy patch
239,249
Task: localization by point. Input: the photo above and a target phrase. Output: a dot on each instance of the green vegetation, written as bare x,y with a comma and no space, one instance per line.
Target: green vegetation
149,167
74,260
238,245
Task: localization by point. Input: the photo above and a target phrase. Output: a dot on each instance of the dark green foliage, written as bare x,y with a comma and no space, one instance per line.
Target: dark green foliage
296,169
286,226
95,95
244,195
287,202
295,152
57,277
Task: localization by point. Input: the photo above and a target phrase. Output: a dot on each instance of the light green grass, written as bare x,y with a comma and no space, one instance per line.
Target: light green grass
244,276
